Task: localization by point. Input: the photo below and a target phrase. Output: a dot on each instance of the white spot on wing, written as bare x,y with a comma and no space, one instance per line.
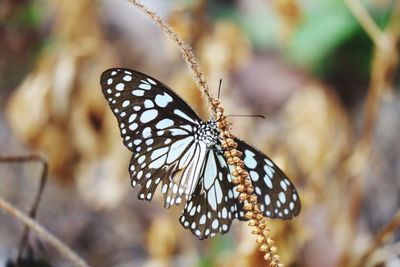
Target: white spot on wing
181,114
125,103
127,78
132,118
120,87
164,123
144,86
138,92
202,219
149,142
146,132
148,103
164,188
283,185
133,126
249,159
267,200
269,162
282,197
151,81
258,190
269,170
148,115
141,159
215,224
267,181
163,100
254,176
224,213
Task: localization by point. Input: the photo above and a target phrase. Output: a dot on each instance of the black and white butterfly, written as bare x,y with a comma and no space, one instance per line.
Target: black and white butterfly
173,147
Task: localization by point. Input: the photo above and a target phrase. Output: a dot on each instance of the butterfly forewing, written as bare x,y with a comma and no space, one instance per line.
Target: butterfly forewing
157,126
276,194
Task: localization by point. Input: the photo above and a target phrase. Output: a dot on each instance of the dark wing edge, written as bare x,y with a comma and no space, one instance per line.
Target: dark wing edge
276,194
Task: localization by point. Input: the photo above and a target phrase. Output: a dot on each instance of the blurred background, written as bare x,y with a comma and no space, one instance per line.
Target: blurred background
326,80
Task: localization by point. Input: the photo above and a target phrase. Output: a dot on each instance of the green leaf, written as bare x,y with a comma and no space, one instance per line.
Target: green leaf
324,28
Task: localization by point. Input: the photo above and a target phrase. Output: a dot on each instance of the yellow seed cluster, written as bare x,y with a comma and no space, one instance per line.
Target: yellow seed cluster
240,177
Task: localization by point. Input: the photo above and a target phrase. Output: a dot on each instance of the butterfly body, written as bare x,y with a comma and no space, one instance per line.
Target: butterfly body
207,133
174,149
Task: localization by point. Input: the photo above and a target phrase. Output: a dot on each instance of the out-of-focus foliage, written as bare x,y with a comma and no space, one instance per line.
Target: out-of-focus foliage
306,65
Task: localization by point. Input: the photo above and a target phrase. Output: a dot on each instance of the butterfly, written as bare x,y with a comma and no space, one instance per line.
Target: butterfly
174,149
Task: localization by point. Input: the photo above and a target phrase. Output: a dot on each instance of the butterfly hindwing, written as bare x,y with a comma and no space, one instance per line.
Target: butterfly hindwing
157,126
214,204
276,194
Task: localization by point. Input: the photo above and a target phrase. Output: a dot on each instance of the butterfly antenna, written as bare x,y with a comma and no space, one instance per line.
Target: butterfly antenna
248,115
219,87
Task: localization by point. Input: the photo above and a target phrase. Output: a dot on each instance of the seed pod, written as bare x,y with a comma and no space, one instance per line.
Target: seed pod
240,188
243,197
236,180
248,215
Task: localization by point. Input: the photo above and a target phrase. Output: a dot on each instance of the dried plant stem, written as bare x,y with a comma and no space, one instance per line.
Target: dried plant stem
384,62
240,175
185,50
365,20
388,231
36,201
384,65
65,251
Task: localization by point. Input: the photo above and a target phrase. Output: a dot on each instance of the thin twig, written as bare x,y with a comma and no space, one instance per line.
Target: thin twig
239,174
383,254
384,62
384,65
36,201
185,50
64,250
382,236
365,20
